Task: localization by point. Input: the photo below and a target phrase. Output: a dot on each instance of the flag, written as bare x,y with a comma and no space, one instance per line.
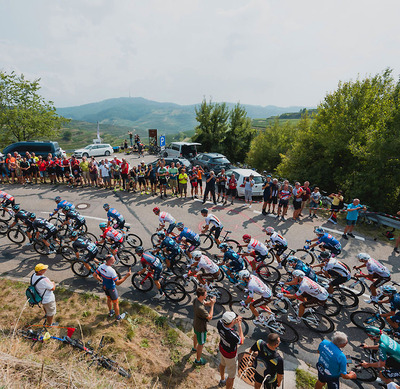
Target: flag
98,132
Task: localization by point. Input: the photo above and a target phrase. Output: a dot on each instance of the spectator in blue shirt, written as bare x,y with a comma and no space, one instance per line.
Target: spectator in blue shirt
332,363
351,218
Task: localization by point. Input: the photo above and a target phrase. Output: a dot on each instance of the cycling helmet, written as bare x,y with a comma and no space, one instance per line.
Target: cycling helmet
291,259
196,254
299,274
270,230
319,230
32,215
66,208
103,225
139,250
16,207
106,206
204,210
223,246
74,234
156,210
373,331
325,255
57,199
363,257
246,237
161,234
180,225
244,274
389,289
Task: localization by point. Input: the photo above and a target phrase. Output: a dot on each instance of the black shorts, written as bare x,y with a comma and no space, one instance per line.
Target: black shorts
193,245
280,249
115,245
231,192
48,234
392,368
283,203
78,224
210,276
216,231
333,382
267,196
273,200
153,180
379,280
67,169
51,170
296,204
261,301
200,182
162,181
332,249
90,256
116,176
9,202
221,189
142,180
335,207
339,280
26,173
267,385
119,224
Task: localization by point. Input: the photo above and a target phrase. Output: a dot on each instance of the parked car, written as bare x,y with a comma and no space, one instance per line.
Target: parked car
39,148
181,150
241,174
182,161
94,150
212,161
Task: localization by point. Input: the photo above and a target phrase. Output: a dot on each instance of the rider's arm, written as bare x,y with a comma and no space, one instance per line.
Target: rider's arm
98,278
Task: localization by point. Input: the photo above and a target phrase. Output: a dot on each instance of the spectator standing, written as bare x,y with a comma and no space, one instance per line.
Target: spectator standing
193,183
183,180
104,170
221,182
268,362
315,197
248,189
173,179
124,171
297,200
201,317
306,195
274,195
396,246
200,172
332,363
337,204
131,138
351,218
210,187
232,189
109,278
284,195
267,195
45,289
84,165
93,173
229,341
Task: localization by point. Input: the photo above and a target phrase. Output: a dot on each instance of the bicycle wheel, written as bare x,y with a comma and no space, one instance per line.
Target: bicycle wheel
3,227
268,274
364,374
140,282
306,256
103,252
127,258
356,286
40,248
233,244
244,312
154,239
5,215
285,331
279,306
331,307
55,221
318,322
206,242
221,294
346,297
16,235
90,236
174,291
178,268
78,267
68,253
363,319
133,240
189,284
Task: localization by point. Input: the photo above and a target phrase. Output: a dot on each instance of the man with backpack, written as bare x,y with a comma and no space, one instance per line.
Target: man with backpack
45,292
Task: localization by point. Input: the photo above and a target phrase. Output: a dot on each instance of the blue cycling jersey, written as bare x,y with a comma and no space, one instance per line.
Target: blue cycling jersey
189,235
64,203
112,213
150,260
300,265
329,240
169,244
231,255
395,302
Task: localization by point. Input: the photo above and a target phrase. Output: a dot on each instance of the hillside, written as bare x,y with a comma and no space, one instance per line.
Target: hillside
142,114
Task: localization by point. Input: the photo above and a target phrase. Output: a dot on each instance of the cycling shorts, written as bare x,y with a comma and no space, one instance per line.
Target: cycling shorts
333,382
221,189
339,280
171,228
283,203
261,301
312,301
9,202
236,266
392,368
119,225
216,231
210,276
172,255
379,280
280,249
258,257
332,249
90,256
193,245
162,181
78,224
115,245
48,234
396,317
157,273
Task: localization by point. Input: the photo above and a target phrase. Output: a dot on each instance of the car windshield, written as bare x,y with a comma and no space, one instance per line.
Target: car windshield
258,180
88,147
221,160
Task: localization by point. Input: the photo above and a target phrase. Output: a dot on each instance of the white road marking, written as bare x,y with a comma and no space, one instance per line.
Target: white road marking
90,217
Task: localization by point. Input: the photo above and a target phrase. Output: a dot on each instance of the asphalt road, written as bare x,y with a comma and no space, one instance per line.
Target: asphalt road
19,261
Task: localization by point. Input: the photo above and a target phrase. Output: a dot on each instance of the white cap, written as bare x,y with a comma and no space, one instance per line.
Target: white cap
228,317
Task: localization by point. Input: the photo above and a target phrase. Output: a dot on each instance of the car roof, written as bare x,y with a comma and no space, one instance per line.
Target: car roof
245,172
213,155
185,143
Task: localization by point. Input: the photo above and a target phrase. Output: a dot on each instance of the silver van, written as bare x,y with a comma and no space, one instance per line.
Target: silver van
181,149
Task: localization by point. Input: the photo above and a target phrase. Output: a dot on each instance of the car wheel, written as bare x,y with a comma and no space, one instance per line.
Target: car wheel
85,155
107,153
165,154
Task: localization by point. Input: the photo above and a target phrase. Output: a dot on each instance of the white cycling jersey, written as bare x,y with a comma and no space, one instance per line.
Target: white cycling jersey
337,267
207,265
313,289
213,220
5,195
277,239
255,285
373,266
166,217
257,246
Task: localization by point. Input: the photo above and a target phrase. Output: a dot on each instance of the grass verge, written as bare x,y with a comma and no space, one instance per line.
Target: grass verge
304,379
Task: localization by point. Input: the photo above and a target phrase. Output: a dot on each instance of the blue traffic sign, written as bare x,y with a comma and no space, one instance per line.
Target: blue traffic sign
162,141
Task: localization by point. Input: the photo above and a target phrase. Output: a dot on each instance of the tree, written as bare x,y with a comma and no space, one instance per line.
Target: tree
24,114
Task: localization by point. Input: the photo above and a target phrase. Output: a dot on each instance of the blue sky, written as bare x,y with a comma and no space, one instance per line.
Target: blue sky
256,52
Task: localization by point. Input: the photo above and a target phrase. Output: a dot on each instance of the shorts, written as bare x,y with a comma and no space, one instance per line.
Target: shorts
313,204
153,180
172,255
261,301
141,180
335,207
157,273
9,202
90,256
231,192
273,200
333,382
201,337
258,257
248,195
115,245
119,224
392,368
162,181
107,179
339,280
173,183
266,196
230,365
171,228
396,318
236,266
49,234
296,204
43,173
280,249
334,250
67,169
312,301
267,385
26,173
221,189
50,308
200,182
193,184
351,222
217,231
116,176
111,293
379,280
210,276
193,245
283,203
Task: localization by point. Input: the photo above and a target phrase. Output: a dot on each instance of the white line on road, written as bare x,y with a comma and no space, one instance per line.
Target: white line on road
90,217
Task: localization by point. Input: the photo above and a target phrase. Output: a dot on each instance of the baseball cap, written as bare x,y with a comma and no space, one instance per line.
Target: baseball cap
40,267
228,317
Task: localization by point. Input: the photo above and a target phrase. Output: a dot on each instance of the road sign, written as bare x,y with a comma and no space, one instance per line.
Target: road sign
162,142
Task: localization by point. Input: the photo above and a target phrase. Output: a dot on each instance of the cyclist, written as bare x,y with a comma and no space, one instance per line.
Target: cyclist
393,298
310,293
167,244
295,263
113,236
216,224
388,354
278,243
151,263
188,236
210,269
61,204
50,230
25,218
255,249
380,274
236,261
332,268
81,244
72,215
165,217
6,199
112,213
256,286
325,241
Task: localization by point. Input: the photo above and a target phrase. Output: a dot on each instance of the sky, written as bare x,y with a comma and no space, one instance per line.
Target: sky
262,52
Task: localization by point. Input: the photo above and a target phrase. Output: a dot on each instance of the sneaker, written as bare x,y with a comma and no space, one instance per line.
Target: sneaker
264,213
258,321
121,317
344,236
201,361
277,217
165,196
222,383
159,296
231,202
351,234
315,216
373,299
111,313
52,252
283,218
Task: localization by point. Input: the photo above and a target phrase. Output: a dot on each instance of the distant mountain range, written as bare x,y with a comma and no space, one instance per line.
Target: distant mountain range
142,114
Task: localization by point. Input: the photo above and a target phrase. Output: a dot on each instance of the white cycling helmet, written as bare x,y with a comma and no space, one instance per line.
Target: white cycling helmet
196,254
363,257
244,274
270,230
299,274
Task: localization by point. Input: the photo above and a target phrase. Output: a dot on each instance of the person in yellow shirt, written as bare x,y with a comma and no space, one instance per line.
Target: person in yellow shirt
183,180
337,204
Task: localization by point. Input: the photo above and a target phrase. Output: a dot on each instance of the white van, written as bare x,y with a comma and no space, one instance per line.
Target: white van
181,149
241,174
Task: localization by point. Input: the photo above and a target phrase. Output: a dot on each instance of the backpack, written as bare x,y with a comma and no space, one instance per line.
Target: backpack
32,295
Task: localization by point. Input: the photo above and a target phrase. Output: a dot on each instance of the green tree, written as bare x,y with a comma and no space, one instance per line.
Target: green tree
24,114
